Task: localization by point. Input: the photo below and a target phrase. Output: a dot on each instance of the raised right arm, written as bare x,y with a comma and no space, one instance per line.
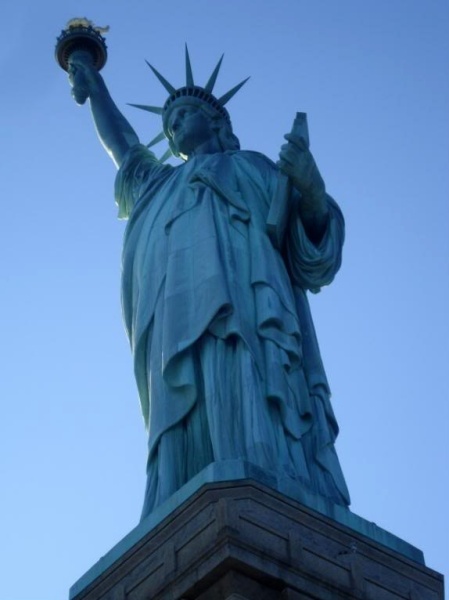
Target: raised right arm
115,133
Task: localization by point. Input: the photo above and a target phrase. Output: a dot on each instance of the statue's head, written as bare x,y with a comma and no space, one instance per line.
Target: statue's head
193,98
190,122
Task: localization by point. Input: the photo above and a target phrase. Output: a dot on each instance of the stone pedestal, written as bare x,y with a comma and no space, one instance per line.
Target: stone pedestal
244,541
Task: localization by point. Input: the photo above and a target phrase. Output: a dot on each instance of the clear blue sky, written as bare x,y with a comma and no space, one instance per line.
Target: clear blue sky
373,77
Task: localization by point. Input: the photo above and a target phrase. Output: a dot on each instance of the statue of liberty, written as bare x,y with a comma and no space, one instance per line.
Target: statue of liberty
225,354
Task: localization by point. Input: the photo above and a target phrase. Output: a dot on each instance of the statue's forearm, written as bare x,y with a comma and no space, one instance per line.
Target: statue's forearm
114,131
298,164
313,207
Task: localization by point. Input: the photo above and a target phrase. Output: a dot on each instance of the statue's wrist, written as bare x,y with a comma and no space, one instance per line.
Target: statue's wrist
96,81
313,195
313,204
310,184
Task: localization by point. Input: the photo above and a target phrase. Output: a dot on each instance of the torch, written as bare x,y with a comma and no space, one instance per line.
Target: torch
83,40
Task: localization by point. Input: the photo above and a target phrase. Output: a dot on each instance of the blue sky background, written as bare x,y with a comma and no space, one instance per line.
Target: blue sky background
373,77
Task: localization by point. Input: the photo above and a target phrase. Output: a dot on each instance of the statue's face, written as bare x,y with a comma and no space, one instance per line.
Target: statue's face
189,128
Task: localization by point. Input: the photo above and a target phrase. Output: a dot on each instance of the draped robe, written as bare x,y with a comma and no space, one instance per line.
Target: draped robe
225,354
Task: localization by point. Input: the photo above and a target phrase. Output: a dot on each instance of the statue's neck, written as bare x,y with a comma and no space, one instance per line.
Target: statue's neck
211,146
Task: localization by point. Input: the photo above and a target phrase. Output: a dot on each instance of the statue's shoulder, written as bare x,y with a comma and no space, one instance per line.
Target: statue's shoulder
140,162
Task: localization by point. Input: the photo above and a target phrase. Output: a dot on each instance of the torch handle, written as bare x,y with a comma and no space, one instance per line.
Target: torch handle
80,87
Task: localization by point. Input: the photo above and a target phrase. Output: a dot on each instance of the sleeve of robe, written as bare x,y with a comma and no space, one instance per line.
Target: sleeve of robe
138,171
314,266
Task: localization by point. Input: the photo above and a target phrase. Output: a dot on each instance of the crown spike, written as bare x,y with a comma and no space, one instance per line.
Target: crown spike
189,73
160,136
166,155
213,78
157,110
168,86
226,97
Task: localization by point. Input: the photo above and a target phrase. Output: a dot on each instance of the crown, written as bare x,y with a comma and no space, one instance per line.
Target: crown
189,94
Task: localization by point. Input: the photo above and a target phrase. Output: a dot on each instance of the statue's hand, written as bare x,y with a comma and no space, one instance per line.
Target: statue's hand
297,162
83,77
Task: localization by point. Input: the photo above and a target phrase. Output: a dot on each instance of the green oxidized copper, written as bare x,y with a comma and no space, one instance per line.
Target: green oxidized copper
225,354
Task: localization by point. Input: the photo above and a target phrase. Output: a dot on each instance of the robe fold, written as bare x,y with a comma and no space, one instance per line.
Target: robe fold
225,353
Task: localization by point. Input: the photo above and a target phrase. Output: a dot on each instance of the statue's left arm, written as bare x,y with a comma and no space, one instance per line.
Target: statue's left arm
315,237
297,162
